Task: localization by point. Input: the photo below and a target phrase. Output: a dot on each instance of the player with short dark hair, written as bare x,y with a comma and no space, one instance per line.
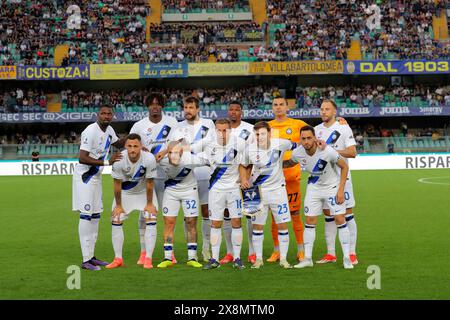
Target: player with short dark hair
96,141
133,190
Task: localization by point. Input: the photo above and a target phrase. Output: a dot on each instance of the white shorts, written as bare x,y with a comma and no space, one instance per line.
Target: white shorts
203,191
219,201
277,202
317,200
348,195
86,197
131,202
188,200
158,188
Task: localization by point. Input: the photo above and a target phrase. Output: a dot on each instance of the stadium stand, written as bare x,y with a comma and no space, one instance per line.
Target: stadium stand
349,96
126,31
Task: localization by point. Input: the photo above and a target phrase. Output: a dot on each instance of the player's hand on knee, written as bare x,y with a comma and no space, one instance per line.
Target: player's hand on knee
150,211
115,157
118,210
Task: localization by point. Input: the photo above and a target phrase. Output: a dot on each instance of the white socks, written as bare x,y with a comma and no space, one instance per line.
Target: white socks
236,239
351,223
344,238
283,238
258,239
117,239
84,231
150,238
330,235
142,226
95,219
192,251
206,233
168,247
251,250
309,236
216,239
227,230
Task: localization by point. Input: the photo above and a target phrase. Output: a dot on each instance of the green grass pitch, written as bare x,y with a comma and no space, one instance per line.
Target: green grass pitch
403,227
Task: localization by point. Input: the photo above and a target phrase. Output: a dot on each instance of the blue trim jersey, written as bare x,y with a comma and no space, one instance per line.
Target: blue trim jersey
134,175
181,177
322,166
337,136
198,135
244,132
97,143
224,162
268,164
154,136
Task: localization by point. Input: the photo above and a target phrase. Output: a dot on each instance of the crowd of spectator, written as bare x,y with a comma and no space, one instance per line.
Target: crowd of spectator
201,33
374,95
32,100
102,29
323,29
114,31
22,138
185,6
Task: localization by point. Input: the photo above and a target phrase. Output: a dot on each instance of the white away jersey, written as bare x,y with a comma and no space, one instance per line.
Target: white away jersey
97,143
244,131
134,175
337,136
155,135
198,135
181,177
224,162
268,164
322,166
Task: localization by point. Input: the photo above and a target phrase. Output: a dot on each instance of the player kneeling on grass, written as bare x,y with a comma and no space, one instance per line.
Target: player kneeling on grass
133,190
325,186
224,156
181,190
266,159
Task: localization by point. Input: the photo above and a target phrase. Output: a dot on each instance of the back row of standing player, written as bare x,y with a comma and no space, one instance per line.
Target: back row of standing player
220,189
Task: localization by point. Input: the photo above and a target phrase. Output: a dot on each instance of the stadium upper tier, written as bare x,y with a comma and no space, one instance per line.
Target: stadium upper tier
125,31
258,97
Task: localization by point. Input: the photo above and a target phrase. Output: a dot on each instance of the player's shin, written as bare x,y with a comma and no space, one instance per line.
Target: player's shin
117,239
206,233
227,230
142,227
216,239
84,231
251,250
283,237
330,235
344,238
351,223
258,239
309,236
150,238
95,219
236,239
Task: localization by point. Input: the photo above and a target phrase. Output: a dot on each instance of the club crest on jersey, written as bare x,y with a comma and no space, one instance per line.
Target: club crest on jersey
288,131
149,130
250,195
87,207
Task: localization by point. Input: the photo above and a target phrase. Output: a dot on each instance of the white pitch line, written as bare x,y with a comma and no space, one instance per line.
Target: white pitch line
424,180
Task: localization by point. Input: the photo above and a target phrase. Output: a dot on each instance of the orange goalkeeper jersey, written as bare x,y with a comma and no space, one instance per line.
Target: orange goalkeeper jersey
287,129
